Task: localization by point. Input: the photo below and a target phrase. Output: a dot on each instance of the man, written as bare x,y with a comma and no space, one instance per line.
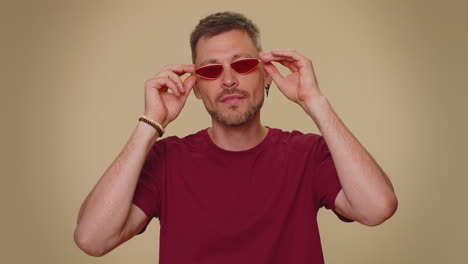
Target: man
237,192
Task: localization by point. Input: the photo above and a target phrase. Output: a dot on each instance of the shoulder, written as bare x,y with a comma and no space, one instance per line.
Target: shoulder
298,143
300,147
174,143
296,138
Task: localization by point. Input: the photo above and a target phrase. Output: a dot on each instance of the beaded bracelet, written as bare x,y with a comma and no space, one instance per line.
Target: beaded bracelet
153,123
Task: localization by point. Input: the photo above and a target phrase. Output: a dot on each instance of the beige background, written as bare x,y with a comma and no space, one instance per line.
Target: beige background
72,91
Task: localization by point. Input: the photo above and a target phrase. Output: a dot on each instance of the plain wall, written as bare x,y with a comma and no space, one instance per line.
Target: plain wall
72,92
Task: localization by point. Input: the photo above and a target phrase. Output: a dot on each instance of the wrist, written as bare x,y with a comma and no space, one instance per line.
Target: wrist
158,118
316,105
318,108
147,131
155,124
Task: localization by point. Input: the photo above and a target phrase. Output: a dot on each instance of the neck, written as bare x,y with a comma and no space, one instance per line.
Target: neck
238,138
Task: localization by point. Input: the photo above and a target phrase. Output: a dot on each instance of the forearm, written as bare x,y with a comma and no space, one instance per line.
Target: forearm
104,212
365,184
368,192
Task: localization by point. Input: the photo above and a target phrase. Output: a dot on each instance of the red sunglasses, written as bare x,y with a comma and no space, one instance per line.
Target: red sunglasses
212,71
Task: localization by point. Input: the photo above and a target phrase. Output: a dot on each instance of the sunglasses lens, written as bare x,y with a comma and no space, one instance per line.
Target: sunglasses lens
210,71
244,66
240,66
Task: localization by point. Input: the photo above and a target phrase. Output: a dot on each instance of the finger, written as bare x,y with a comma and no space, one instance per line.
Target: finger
274,73
290,65
176,79
166,82
180,69
297,58
269,57
289,54
189,83
285,61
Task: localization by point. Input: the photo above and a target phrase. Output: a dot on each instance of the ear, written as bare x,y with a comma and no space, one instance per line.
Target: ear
267,78
196,91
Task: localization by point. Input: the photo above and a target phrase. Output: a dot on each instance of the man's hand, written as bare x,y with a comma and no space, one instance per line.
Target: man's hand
367,194
108,216
300,85
161,105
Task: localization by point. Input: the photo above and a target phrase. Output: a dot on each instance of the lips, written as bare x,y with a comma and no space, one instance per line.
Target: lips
231,98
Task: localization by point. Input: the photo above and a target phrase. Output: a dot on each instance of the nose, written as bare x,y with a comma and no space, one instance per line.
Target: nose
229,79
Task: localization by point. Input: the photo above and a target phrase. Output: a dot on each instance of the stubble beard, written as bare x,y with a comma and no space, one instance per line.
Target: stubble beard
234,118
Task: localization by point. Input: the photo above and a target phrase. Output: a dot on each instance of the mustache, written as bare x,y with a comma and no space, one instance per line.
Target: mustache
229,92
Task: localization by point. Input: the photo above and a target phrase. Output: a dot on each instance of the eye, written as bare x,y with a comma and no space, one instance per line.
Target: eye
244,66
210,71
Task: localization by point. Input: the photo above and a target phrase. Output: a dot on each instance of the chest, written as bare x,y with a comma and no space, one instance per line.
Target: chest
266,183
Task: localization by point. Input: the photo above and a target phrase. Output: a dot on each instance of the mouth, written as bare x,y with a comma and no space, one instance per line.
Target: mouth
232,99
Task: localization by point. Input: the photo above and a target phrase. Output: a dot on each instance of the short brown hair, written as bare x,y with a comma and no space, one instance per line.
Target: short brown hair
221,22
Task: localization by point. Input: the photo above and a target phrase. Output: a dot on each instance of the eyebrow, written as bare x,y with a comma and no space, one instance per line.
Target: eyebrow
235,57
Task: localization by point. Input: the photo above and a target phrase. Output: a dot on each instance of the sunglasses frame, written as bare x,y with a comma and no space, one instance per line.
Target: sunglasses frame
222,65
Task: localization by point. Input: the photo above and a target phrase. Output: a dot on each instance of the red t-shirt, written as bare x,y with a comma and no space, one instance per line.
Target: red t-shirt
254,206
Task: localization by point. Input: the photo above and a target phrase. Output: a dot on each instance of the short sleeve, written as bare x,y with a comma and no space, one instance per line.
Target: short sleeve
326,182
147,194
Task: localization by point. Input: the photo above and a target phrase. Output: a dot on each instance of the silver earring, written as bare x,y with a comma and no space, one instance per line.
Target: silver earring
267,89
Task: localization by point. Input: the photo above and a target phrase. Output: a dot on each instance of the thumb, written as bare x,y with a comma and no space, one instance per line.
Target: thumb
189,83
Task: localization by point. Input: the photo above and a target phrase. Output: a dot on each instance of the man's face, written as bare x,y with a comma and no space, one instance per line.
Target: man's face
232,99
